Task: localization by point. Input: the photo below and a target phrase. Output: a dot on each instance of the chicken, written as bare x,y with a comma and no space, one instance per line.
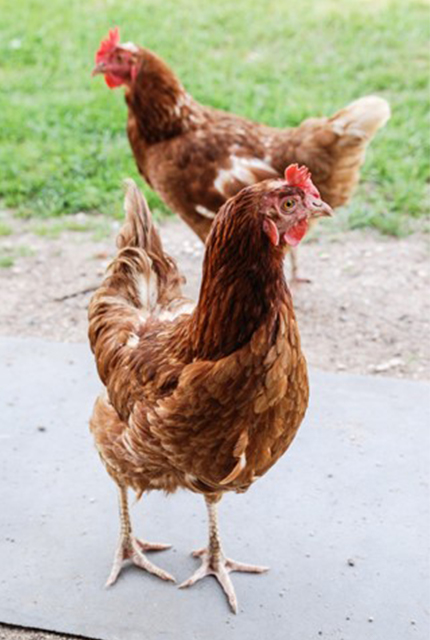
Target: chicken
196,157
205,398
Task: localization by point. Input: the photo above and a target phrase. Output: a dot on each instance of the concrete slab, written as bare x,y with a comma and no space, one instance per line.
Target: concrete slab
342,520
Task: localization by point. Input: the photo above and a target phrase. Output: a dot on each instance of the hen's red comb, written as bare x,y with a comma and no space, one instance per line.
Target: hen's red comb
301,177
108,44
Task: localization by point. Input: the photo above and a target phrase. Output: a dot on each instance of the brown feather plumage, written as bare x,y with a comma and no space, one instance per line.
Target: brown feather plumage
197,157
207,400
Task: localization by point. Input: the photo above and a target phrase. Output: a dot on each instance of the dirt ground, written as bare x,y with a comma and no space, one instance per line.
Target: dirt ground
367,309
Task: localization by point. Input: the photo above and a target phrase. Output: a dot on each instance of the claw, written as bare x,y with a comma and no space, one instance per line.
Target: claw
130,548
152,546
220,568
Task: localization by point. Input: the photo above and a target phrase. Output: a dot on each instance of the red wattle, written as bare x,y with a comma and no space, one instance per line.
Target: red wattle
294,235
113,81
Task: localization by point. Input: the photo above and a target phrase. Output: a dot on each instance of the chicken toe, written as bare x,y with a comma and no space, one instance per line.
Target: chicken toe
214,563
220,567
130,548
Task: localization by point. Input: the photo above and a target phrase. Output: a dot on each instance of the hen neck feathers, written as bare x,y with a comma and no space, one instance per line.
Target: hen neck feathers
243,286
159,103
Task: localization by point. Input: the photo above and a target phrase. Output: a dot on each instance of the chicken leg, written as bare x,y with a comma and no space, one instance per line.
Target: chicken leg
131,548
295,278
214,562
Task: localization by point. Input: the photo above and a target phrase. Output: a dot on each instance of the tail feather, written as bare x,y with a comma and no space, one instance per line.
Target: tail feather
361,119
142,281
139,231
334,148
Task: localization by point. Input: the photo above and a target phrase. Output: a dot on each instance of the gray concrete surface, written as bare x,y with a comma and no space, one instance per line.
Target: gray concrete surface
342,519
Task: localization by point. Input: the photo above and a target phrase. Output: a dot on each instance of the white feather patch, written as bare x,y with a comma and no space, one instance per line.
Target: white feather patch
147,290
133,340
130,46
241,170
206,213
173,311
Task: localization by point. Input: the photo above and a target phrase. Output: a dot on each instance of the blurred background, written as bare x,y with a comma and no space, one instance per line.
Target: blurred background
63,146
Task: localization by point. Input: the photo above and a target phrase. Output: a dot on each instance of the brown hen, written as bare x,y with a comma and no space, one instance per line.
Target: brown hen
205,399
196,157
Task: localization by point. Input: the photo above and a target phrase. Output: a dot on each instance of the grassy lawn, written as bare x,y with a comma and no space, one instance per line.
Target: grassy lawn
63,146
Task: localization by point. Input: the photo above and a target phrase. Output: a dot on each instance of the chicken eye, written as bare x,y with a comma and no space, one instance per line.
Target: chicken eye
288,204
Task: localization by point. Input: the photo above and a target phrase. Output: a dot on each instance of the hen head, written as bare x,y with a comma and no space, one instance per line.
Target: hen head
258,225
117,62
288,205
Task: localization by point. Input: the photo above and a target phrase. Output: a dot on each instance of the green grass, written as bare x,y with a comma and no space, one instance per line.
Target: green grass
9,254
5,229
63,146
6,261
53,229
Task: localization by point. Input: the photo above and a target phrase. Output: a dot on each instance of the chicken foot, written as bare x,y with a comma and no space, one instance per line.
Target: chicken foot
131,548
214,562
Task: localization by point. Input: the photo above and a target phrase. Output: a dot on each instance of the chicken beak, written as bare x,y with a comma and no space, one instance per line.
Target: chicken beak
321,209
98,69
